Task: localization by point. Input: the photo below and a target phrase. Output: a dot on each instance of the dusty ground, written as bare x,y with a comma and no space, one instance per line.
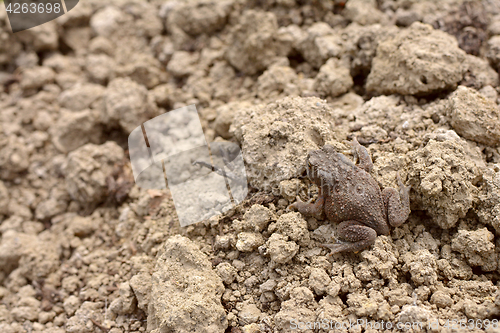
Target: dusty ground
83,249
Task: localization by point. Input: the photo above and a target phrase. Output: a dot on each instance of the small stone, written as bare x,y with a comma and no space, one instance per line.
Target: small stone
478,248
319,280
250,313
255,42
45,317
333,79
269,285
227,272
71,304
294,226
280,249
474,116
37,77
405,18
251,328
141,285
259,217
363,12
441,299
187,291
493,53
418,60
224,242
249,241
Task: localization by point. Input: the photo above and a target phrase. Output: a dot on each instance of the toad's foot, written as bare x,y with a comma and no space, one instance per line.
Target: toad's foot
355,236
397,204
308,208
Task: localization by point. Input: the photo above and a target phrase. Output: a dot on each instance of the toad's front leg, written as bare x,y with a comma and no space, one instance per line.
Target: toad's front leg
310,209
397,204
354,236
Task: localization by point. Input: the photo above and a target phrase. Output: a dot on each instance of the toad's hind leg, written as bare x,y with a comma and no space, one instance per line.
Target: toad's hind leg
362,155
397,204
355,237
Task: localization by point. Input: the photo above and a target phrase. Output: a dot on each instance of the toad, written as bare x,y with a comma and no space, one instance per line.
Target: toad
348,194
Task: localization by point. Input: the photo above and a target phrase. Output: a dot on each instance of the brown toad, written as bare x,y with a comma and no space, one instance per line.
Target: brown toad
348,194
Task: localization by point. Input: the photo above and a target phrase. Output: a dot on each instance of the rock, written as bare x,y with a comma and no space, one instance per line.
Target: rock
441,299
319,280
227,272
444,174
294,226
493,53
86,170
127,103
10,46
14,157
71,304
45,317
37,257
478,248
200,16
276,138
319,43
43,37
249,241
488,211
474,116
187,291
4,199
380,260
259,217
364,12
83,226
354,44
422,267
80,322
141,285
23,313
298,306
276,80
280,249
417,61
225,116
100,68
77,39
126,302
49,208
183,63
106,21
489,92
479,73
405,17
249,313
255,42
37,77
74,129
252,328
224,242
81,96
371,305
333,79
416,314
494,26
269,285
144,69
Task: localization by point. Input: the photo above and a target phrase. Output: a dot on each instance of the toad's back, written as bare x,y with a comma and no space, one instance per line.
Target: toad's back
354,195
